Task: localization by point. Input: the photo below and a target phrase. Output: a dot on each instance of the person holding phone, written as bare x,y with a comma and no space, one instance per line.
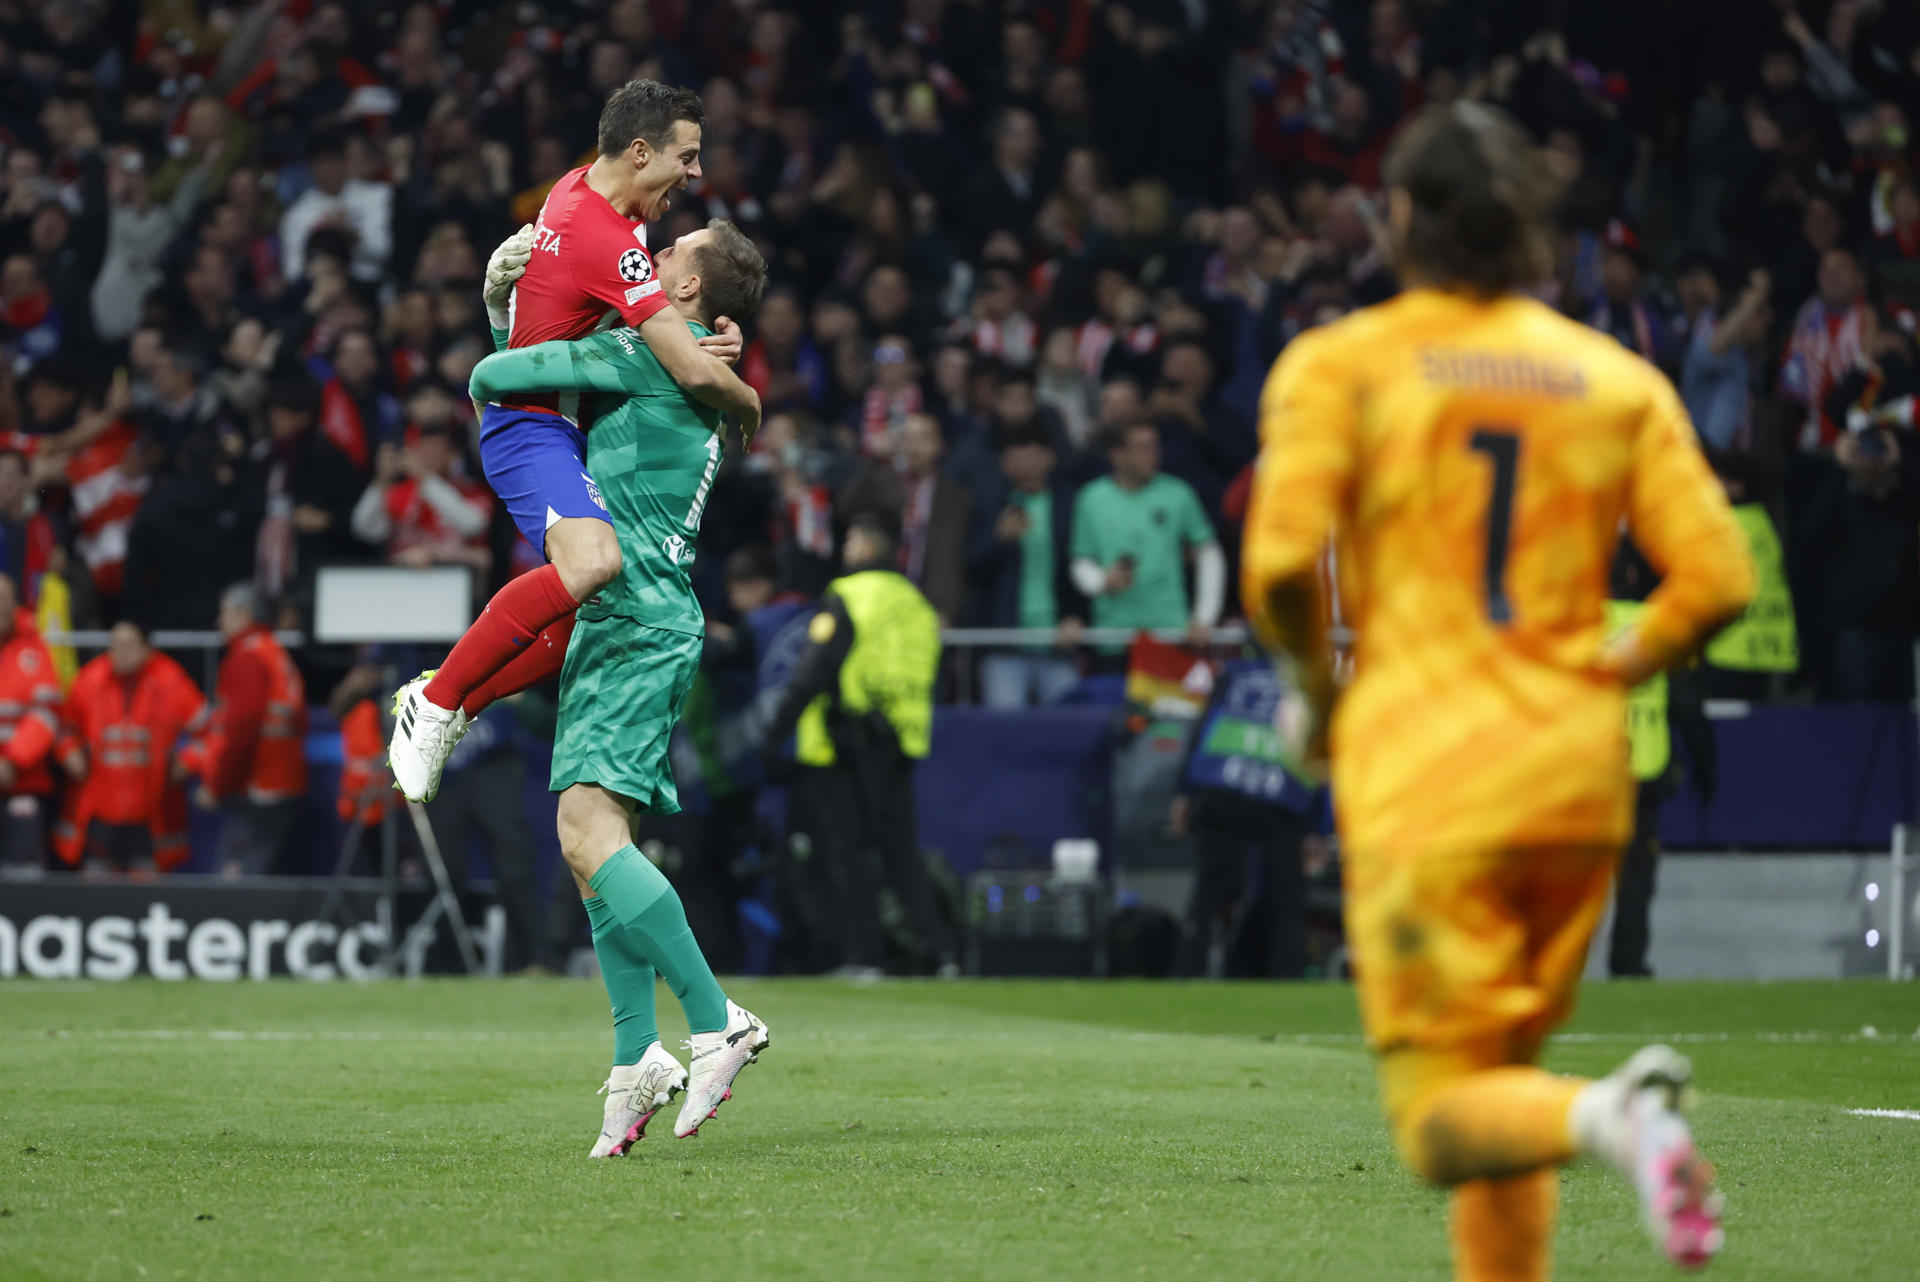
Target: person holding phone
1133,532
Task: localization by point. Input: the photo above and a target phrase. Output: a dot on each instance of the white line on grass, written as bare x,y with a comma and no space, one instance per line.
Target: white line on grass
1806,1037
1905,1114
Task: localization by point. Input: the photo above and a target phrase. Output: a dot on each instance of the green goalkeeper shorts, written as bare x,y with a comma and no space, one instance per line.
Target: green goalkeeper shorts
621,690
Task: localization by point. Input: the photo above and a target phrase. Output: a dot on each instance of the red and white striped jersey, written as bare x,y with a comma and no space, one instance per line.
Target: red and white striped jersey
105,497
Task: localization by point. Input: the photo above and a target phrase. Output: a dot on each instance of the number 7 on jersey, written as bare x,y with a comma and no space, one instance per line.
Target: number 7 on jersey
1502,448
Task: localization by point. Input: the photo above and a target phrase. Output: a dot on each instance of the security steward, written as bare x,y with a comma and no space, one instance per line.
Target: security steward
255,763
29,727
1248,815
861,699
1667,705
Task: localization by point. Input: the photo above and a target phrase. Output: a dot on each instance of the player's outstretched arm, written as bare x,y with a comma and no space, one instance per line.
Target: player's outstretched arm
599,363
704,376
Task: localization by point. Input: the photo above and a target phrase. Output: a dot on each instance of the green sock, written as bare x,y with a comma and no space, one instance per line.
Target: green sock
638,894
629,978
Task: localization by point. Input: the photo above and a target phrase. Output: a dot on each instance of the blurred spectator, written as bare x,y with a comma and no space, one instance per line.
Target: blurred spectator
310,488
786,452
1716,382
29,321
998,324
27,536
420,510
256,759
361,208
138,232
1064,388
1133,533
29,723
781,363
125,717
357,413
1202,442
894,396
1003,194
1830,336
930,512
106,478
1621,310
1021,573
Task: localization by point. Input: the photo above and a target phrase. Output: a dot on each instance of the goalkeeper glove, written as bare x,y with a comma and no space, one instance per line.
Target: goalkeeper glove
507,266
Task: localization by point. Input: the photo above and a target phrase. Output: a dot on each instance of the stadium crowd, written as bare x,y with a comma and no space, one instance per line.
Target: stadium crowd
1032,260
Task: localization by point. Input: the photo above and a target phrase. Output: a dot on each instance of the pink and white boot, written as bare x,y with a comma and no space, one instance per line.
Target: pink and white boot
1632,1119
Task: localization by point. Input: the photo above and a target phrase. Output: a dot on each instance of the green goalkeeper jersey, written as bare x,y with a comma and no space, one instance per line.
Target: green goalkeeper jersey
653,453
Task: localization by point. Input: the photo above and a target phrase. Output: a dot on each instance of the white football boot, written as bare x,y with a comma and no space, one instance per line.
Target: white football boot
635,1092
423,737
1632,1119
717,1059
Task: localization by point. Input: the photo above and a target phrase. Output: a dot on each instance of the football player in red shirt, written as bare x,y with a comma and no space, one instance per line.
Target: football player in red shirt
585,258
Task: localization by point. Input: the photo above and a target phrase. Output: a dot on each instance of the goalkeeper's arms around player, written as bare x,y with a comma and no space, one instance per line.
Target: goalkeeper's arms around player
701,366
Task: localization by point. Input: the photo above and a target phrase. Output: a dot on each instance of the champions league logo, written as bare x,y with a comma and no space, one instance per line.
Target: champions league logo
635,266
1253,696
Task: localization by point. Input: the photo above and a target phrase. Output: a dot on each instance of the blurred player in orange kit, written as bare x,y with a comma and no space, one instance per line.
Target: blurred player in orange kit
1474,457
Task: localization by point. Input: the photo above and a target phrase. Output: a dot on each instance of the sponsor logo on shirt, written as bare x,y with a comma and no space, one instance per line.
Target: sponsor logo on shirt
639,292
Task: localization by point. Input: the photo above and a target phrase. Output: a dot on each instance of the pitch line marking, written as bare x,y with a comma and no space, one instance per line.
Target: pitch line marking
1905,1114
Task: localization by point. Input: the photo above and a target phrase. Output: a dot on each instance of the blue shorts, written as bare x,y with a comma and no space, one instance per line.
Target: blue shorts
537,464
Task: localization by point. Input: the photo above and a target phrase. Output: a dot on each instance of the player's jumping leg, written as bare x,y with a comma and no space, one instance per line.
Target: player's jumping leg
596,840
540,473
645,1077
1498,941
539,662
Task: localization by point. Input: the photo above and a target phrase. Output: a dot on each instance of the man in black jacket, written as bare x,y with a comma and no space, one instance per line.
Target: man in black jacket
1019,563
311,487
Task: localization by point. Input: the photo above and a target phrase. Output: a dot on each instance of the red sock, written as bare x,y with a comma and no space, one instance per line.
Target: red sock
538,662
512,621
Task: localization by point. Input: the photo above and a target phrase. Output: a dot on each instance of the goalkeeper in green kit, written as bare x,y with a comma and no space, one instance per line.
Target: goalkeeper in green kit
653,450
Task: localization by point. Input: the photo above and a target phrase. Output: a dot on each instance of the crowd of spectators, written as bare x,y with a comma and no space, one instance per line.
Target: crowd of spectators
1032,260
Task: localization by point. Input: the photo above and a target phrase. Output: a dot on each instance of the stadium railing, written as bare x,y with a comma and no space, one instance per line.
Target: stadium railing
1226,636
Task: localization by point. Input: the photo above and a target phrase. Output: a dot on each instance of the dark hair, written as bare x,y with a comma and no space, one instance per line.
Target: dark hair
1481,200
61,370
876,525
749,563
298,393
732,272
1699,260
1013,436
649,110
327,142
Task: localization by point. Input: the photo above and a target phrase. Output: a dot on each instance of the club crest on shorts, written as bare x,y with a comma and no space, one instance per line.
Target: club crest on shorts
593,492
635,266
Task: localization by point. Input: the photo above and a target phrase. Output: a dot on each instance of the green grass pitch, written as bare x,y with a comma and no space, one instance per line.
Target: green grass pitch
1006,1130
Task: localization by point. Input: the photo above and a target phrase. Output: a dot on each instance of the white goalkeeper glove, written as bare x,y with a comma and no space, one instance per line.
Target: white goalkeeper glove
508,265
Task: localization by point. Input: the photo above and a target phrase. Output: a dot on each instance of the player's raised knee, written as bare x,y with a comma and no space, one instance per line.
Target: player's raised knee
587,556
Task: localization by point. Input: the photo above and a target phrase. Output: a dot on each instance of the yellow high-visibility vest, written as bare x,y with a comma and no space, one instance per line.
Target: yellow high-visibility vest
890,668
1649,741
1764,638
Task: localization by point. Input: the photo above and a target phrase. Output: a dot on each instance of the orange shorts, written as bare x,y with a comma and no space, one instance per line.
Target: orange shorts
1468,961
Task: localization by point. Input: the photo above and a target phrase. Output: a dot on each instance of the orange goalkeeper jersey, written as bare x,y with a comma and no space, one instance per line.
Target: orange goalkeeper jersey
1475,462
